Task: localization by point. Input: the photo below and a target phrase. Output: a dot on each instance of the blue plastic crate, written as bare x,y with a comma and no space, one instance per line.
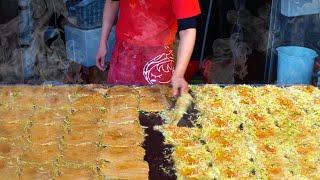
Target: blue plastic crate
86,14
82,45
292,8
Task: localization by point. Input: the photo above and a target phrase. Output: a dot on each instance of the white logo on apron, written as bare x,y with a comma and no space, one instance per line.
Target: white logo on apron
156,68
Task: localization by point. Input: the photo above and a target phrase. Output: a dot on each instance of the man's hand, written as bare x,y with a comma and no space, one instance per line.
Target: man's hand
109,14
187,40
179,85
100,57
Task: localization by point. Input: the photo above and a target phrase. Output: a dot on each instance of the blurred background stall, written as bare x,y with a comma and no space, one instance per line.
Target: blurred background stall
55,41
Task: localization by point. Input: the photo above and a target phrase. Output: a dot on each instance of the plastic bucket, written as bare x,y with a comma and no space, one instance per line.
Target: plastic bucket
295,65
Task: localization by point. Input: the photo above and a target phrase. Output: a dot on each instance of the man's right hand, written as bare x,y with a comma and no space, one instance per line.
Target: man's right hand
100,57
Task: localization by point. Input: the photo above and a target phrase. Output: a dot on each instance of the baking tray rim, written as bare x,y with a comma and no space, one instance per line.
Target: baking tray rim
112,85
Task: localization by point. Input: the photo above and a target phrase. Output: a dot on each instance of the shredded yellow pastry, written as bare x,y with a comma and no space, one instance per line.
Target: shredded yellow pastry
246,132
173,116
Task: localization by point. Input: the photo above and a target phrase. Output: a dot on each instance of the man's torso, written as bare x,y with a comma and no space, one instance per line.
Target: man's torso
146,22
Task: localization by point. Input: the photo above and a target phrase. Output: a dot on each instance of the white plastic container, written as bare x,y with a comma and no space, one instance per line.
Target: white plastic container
292,8
82,45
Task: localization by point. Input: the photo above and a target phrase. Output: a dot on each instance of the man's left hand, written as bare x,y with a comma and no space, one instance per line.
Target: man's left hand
179,85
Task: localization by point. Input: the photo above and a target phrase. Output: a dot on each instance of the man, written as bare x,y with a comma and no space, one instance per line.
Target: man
145,34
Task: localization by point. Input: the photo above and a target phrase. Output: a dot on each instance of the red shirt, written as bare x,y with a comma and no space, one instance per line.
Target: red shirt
152,22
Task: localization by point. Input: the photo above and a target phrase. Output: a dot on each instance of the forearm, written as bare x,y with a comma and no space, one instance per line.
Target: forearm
110,12
185,49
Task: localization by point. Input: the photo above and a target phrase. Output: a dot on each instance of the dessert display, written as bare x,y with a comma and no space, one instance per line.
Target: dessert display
246,132
97,132
72,132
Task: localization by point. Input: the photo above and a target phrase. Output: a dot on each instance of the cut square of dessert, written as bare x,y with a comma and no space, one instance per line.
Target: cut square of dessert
86,133
122,102
67,173
9,169
122,154
121,116
41,153
120,91
36,171
122,135
11,130
10,149
45,133
80,153
126,170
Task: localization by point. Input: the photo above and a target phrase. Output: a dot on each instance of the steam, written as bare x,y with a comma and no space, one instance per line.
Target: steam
255,29
249,33
50,61
10,57
240,51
